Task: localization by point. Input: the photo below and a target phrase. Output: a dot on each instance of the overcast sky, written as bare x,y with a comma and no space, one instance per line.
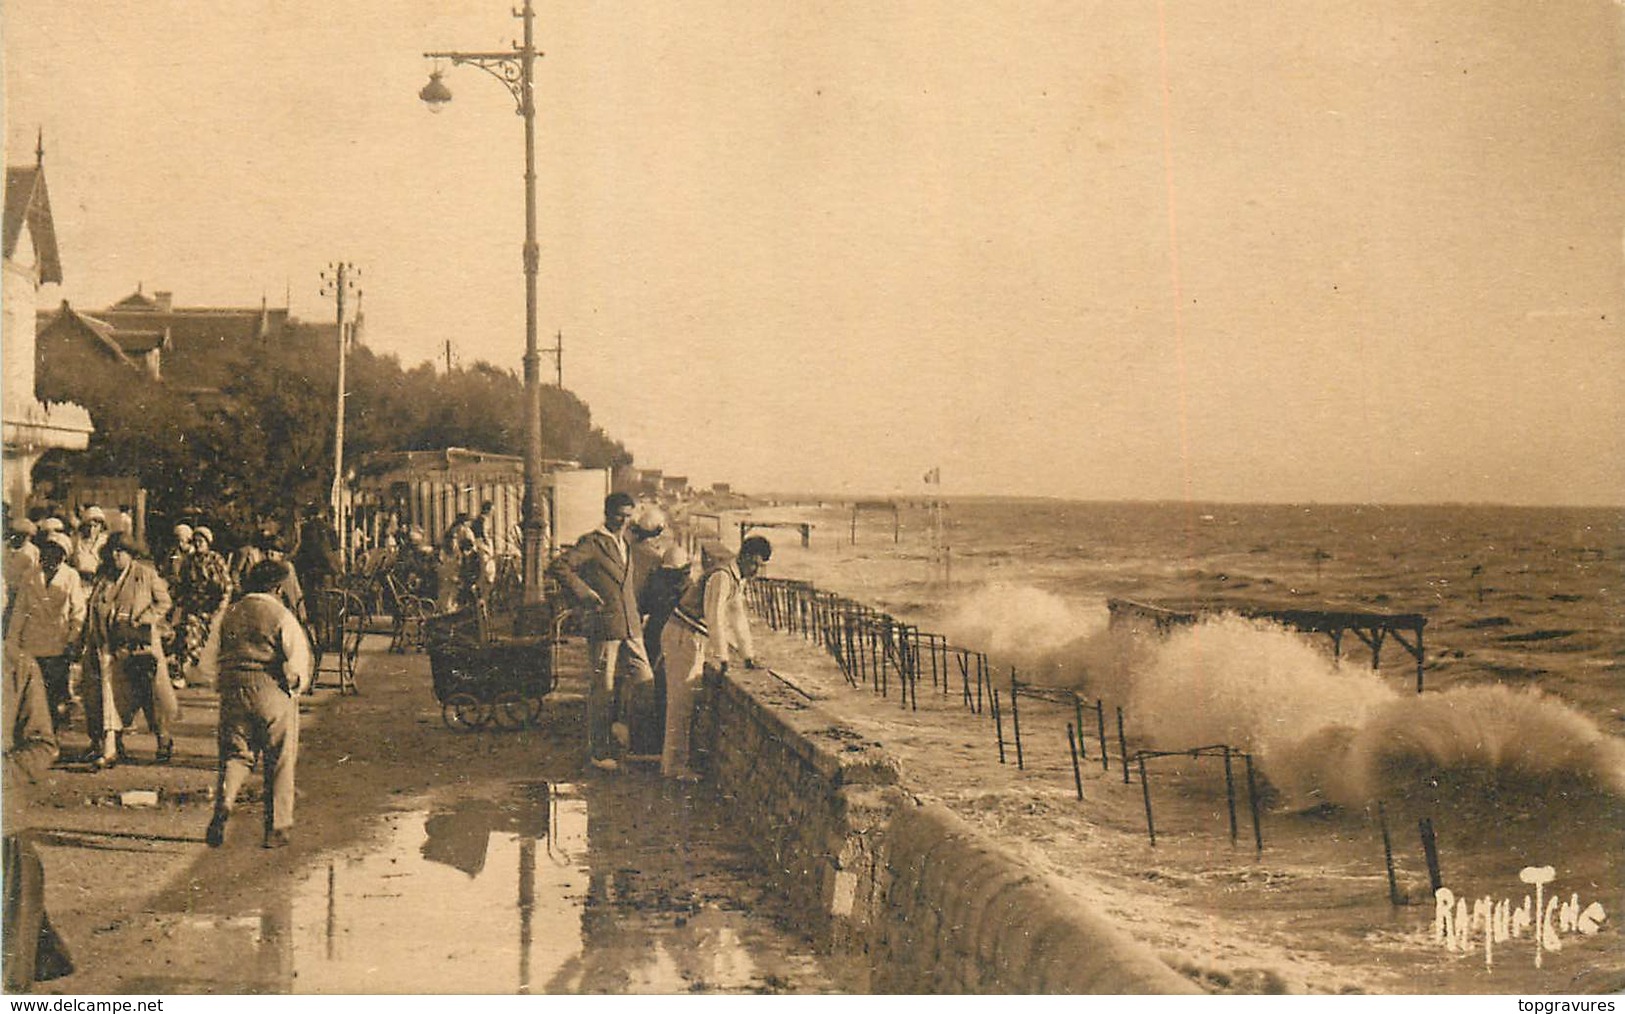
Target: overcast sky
1219,249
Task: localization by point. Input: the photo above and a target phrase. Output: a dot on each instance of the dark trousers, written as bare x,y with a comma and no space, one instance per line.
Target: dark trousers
54,674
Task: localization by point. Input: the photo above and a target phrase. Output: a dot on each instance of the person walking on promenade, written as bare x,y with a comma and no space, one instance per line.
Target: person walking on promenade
177,556
597,572
127,605
173,565
415,565
32,950
265,665
456,552
290,591
46,623
90,543
243,559
204,583
316,559
482,529
709,620
21,561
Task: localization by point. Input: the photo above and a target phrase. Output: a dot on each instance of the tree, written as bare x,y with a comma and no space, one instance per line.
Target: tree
262,445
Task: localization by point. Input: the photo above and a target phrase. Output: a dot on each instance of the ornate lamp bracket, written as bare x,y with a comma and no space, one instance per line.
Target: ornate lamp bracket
507,69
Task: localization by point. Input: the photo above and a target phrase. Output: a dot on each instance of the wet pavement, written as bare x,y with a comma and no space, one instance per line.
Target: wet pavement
615,885
425,860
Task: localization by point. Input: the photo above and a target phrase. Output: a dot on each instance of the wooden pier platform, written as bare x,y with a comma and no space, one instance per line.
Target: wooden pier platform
1372,629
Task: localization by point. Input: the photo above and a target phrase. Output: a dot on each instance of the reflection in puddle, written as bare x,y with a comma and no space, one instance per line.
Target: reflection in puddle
535,892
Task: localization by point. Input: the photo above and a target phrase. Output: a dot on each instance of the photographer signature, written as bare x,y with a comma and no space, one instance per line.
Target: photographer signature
1547,918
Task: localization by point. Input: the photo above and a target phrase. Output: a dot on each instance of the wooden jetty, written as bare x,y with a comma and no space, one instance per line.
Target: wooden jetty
1372,629
804,527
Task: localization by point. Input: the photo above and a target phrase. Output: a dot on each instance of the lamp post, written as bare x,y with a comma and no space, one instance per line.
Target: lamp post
515,70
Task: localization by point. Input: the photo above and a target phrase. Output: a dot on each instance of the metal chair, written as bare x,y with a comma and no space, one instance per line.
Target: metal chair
408,611
338,620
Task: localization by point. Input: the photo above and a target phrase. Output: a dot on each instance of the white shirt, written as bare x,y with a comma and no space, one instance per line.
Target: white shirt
725,615
620,543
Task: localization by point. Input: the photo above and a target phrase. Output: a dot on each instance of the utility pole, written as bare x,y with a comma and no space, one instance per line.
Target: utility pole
557,352
337,281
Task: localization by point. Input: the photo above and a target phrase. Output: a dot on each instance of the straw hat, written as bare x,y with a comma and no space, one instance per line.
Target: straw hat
649,517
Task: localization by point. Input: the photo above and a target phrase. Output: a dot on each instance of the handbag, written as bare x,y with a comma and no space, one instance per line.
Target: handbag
124,634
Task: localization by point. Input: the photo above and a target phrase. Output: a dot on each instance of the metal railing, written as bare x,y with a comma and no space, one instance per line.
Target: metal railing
879,653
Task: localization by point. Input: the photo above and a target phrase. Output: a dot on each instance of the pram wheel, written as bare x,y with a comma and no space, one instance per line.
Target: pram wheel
510,711
533,710
463,713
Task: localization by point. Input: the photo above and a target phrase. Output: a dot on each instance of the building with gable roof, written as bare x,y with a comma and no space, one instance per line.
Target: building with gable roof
66,333
185,346
31,259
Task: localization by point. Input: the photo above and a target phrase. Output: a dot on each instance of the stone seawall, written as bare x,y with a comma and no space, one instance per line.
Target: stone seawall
920,898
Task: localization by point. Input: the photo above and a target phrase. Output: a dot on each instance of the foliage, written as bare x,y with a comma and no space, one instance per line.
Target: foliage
262,444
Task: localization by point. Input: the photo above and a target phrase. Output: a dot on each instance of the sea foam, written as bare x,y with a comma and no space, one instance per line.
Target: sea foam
1334,731
1323,730
1045,636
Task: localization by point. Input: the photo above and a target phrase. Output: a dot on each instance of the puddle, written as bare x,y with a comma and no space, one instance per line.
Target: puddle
623,887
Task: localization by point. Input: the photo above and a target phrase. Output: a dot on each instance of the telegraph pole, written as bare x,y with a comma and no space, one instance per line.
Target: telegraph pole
338,280
557,352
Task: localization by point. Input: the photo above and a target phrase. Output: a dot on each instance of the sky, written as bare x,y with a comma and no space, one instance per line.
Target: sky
1210,250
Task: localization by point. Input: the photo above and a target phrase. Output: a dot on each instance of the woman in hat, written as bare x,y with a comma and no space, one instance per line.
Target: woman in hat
178,555
200,591
125,670
90,543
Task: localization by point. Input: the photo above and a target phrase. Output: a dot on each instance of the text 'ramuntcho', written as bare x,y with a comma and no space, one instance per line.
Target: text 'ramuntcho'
1548,918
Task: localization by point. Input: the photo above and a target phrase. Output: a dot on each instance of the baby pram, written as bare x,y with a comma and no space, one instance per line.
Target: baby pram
481,679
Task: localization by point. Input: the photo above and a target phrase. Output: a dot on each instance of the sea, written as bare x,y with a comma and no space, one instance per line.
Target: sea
1512,756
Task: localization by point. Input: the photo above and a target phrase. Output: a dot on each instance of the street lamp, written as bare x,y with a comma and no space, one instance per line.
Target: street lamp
515,70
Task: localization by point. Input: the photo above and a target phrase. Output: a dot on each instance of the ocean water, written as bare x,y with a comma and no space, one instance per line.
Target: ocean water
1514,754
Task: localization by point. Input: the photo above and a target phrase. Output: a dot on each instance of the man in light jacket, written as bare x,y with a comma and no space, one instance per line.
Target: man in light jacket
46,622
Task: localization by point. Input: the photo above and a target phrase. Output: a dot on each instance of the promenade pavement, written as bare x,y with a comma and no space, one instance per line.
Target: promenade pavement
123,847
